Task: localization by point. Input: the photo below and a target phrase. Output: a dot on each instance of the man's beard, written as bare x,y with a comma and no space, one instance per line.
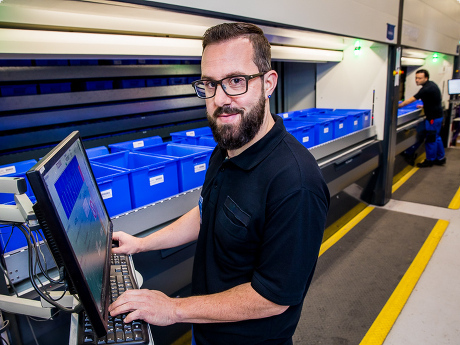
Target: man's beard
232,137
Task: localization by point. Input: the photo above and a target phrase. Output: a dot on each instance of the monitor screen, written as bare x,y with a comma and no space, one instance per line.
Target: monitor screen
76,224
453,86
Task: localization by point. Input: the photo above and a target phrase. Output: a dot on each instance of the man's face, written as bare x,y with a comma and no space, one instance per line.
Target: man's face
234,120
420,79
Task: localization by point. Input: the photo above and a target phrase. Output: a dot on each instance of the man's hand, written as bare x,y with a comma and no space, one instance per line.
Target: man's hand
151,306
127,244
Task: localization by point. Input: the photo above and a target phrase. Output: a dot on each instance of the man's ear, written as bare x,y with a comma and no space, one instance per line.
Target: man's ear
270,80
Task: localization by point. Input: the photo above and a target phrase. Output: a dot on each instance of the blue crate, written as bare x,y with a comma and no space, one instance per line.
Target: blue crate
193,161
53,62
18,169
207,140
133,145
148,62
15,62
177,80
98,85
324,128
18,90
192,136
364,122
97,151
156,82
304,132
55,87
192,79
131,83
114,187
151,178
340,123
84,62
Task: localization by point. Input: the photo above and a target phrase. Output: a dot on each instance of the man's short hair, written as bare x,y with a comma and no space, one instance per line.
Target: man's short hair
425,72
227,31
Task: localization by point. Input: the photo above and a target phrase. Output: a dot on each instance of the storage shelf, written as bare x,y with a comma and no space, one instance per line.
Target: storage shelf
97,71
18,103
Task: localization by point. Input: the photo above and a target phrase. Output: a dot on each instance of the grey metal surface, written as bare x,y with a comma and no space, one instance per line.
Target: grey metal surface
334,146
17,263
89,97
97,112
409,117
153,215
82,72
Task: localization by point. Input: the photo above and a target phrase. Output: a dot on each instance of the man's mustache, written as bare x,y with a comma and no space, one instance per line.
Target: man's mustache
227,110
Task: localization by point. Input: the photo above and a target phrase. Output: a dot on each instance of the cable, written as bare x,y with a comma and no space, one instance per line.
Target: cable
76,309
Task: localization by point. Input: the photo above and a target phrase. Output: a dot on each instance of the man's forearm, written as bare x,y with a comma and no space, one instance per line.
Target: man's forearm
239,303
183,230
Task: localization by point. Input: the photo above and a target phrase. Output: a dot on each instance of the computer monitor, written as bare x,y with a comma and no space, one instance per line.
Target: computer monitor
76,224
453,86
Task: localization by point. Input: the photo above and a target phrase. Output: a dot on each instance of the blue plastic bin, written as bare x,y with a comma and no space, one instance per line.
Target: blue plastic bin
18,90
98,85
340,125
53,62
114,187
324,128
16,170
192,136
84,62
207,140
151,178
156,82
304,132
97,151
131,83
133,145
177,80
193,161
55,88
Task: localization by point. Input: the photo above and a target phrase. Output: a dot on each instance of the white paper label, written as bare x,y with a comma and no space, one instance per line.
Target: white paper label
305,139
200,167
157,180
285,115
190,133
326,129
106,194
7,170
366,117
355,123
340,125
139,143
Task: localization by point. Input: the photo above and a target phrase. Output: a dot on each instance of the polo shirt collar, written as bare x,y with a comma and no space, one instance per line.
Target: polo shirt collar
256,153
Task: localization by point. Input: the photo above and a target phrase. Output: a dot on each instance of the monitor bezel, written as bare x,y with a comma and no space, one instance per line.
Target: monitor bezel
61,241
449,86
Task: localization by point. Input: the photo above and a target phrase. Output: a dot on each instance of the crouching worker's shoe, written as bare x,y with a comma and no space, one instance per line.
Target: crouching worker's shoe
425,164
440,161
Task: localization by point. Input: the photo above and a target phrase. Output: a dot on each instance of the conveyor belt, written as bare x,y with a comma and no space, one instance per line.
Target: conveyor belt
434,186
355,277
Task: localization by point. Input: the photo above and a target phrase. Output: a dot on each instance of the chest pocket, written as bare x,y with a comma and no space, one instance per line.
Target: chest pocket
233,242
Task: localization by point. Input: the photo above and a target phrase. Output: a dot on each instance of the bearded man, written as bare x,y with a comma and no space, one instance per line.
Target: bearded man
261,215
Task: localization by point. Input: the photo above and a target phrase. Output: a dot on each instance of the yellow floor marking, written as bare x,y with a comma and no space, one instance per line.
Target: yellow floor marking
404,179
455,203
343,231
390,312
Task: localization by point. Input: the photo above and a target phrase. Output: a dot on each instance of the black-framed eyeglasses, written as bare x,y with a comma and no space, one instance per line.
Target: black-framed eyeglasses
233,86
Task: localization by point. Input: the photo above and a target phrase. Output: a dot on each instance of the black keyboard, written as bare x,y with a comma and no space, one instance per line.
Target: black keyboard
133,333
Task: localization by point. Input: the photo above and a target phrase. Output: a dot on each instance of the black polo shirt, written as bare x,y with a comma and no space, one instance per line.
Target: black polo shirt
263,214
432,100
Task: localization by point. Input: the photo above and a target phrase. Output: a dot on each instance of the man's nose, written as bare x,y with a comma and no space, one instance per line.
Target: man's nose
221,98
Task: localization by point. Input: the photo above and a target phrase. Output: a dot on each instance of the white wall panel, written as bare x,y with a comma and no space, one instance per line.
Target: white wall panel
356,18
432,25
351,83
